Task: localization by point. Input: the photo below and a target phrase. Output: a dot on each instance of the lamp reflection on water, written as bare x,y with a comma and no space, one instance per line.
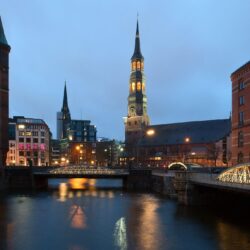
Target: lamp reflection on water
120,234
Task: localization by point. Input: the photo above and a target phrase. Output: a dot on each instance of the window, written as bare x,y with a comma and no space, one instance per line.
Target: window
138,86
133,86
241,100
138,65
42,133
21,133
35,140
34,133
21,139
241,85
133,65
241,118
28,140
240,157
21,153
143,86
240,139
42,140
28,153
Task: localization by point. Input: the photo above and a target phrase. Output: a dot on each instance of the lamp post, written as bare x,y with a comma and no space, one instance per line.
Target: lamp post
149,133
186,141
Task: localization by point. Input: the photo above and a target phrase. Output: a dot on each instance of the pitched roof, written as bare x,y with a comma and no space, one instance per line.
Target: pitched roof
198,132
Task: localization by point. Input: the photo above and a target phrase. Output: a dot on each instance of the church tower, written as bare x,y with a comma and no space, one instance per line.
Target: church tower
65,114
137,118
4,95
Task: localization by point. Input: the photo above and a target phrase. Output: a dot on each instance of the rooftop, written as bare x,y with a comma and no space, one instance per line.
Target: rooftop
195,132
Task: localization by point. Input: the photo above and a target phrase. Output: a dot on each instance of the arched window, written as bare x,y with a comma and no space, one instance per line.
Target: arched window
138,86
240,157
133,65
133,87
138,65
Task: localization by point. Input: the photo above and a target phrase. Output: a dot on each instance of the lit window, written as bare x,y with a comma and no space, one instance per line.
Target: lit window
142,65
138,65
138,86
143,86
133,65
133,87
21,126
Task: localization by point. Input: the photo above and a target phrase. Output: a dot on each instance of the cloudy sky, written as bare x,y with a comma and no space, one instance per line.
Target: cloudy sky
190,48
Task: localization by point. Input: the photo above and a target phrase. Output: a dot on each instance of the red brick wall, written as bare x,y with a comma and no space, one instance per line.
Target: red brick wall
242,75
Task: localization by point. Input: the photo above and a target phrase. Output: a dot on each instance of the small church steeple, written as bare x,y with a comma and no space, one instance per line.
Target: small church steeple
65,107
66,118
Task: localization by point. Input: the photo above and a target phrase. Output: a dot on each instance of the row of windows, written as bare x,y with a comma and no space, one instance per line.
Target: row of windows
28,140
29,133
137,65
29,153
137,86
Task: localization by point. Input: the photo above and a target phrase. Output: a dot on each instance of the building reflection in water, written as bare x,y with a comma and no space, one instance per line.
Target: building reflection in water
79,187
144,223
120,234
77,217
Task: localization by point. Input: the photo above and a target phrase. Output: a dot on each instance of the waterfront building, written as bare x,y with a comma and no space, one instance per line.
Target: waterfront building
108,152
29,142
55,152
206,143
137,117
241,114
4,95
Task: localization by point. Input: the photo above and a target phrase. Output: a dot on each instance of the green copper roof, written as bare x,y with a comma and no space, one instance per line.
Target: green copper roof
2,35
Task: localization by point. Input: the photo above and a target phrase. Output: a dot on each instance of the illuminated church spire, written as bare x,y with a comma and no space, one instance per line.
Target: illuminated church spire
137,118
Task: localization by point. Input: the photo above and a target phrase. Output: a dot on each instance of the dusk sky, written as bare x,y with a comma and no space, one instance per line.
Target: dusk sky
190,50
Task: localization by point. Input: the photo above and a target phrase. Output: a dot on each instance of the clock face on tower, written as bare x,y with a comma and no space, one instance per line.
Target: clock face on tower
132,110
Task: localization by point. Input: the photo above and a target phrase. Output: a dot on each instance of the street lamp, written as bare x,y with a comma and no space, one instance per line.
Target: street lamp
149,133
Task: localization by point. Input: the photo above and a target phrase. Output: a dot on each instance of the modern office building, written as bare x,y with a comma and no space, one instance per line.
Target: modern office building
4,95
241,114
29,142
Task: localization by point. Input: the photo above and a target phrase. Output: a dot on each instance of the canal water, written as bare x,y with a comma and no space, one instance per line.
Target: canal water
80,214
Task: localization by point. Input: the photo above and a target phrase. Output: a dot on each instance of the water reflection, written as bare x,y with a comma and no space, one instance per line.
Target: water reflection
120,234
79,187
144,223
232,237
77,217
